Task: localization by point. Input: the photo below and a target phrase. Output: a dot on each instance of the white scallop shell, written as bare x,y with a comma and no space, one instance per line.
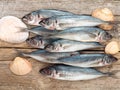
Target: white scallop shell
10,28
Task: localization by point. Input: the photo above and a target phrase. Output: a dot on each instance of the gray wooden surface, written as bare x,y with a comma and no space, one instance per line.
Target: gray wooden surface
34,80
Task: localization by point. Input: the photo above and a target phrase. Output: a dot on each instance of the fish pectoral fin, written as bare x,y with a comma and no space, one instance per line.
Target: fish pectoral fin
61,75
91,35
97,63
22,29
65,47
63,24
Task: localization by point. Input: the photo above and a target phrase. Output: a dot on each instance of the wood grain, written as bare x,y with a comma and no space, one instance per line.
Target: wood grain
20,7
34,80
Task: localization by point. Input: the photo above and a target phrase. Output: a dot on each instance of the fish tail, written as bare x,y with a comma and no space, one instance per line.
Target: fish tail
26,30
48,37
113,22
22,29
113,74
20,53
53,61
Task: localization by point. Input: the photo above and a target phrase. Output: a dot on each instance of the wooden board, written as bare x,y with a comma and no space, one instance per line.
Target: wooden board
34,80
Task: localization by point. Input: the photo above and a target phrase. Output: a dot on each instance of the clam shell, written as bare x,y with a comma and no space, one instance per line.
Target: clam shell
112,47
104,14
20,66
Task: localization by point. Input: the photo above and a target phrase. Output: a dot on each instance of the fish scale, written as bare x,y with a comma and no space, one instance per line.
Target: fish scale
71,46
39,42
33,18
47,57
61,22
71,73
88,60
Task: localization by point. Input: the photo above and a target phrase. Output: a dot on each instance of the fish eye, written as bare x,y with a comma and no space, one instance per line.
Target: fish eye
109,36
98,33
38,15
40,42
47,21
56,21
60,45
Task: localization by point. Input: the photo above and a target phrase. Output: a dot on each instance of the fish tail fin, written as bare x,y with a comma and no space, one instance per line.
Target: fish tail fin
26,30
22,29
113,74
20,53
113,22
48,37
53,61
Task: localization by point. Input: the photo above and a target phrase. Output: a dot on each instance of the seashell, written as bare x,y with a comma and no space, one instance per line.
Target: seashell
10,30
112,47
104,14
20,66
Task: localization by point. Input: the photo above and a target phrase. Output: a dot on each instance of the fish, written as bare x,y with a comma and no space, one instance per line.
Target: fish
39,42
72,73
84,34
71,46
41,31
61,22
34,17
45,56
87,60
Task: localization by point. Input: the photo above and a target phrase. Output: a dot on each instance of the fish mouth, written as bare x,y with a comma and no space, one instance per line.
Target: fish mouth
31,42
114,59
45,71
24,19
110,59
42,71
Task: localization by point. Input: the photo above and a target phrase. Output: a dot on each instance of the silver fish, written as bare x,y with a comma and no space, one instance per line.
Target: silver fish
44,56
87,60
33,18
42,31
62,22
70,46
39,41
71,73
84,34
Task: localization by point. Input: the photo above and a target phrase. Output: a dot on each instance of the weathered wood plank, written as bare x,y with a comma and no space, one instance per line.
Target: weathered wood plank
10,45
9,54
35,81
21,7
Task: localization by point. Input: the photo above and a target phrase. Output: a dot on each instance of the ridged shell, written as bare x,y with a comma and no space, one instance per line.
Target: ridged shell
20,66
104,14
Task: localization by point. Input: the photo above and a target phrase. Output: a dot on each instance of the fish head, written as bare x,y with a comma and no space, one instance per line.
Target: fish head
48,71
48,23
109,59
32,19
54,47
36,42
104,36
